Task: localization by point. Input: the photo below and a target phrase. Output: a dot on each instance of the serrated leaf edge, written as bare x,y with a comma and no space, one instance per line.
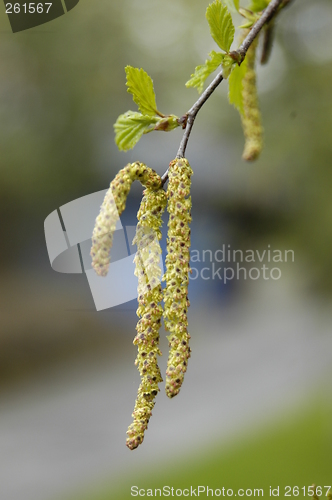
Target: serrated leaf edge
146,107
222,21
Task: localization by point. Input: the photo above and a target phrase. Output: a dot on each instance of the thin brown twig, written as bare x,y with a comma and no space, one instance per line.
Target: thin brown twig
265,18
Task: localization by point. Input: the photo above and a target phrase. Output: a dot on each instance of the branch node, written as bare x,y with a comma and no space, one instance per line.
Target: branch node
183,121
237,56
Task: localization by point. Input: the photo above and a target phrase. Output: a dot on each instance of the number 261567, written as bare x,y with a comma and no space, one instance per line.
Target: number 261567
28,8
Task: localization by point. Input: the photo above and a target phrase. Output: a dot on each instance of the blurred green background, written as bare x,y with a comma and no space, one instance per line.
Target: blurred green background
62,87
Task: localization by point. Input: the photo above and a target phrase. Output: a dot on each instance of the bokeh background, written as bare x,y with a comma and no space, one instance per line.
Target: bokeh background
255,408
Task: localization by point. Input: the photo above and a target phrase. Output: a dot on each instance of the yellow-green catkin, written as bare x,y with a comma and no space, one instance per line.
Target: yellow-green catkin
176,301
112,207
149,310
251,118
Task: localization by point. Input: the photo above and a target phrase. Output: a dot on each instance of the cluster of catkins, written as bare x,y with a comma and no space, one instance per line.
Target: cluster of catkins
148,271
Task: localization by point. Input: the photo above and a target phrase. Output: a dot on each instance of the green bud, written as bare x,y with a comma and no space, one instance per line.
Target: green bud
168,123
227,65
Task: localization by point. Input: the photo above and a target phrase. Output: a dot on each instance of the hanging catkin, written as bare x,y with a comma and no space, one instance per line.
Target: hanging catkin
177,273
112,207
251,118
149,310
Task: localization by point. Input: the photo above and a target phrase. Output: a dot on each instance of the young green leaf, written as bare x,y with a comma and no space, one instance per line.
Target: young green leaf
204,70
140,85
221,25
130,127
246,25
235,86
258,5
232,5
